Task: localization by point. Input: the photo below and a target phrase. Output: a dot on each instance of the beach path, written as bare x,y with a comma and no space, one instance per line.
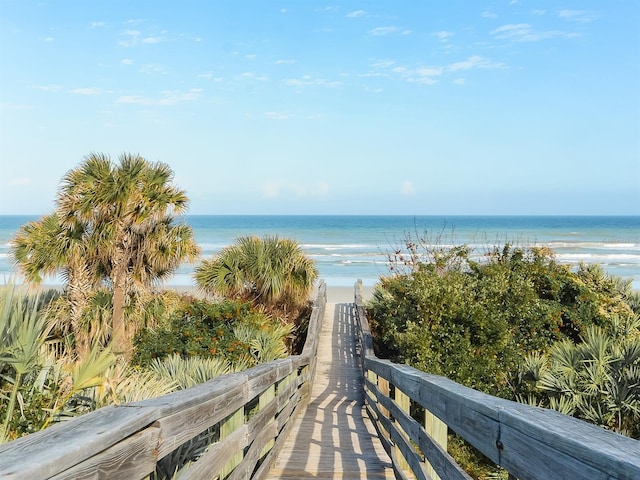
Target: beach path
334,437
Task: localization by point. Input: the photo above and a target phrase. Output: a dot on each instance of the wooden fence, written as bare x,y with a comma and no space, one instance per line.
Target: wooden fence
234,425
529,442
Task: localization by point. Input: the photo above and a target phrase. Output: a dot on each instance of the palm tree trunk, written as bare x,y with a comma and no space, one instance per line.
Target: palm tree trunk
78,290
119,335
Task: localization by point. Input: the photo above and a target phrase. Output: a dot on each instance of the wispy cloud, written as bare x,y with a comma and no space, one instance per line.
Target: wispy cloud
126,61
356,14
581,16
431,74
254,76
97,24
48,39
475,61
443,36
131,38
153,69
285,62
167,98
87,91
308,80
523,32
488,14
539,13
378,31
209,76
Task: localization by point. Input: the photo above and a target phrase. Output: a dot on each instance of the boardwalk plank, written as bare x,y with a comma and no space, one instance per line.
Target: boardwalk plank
334,438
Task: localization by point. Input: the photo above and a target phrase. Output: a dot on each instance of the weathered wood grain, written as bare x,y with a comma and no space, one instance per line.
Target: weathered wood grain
60,447
334,439
132,458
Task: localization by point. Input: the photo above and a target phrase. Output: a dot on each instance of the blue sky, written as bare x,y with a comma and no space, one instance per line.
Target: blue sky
301,107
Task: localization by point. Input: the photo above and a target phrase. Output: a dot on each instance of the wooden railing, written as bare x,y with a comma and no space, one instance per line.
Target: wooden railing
234,425
529,442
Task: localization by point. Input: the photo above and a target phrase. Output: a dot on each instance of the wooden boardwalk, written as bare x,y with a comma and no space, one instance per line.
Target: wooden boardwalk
334,438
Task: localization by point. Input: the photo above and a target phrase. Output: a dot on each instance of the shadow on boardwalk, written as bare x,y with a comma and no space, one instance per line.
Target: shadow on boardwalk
333,439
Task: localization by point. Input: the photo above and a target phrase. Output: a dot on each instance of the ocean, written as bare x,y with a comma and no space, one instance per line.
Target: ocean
347,248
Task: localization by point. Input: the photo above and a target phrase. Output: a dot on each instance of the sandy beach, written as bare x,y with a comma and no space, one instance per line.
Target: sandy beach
335,294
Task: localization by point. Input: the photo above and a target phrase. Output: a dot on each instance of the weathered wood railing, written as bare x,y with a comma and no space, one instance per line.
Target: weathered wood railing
236,423
529,442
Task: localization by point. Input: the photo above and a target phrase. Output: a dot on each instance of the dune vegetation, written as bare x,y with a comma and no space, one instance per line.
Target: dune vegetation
516,324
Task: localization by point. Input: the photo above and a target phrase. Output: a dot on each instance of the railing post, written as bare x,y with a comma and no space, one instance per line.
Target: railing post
437,430
404,402
264,400
383,386
227,427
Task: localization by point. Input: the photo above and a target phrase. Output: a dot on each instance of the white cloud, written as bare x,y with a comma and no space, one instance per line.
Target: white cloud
151,40
254,76
87,91
285,62
251,56
167,98
475,61
383,30
308,80
383,63
443,36
407,32
523,32
430,74
209,76
356,14
48,39
408,188
581,16
459,81
97,24
126,61
488,14
538,12
429,71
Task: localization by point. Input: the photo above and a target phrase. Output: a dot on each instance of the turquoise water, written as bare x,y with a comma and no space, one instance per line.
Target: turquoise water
346,248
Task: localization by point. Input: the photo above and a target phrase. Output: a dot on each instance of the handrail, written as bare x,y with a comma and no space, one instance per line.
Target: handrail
247,414
529,442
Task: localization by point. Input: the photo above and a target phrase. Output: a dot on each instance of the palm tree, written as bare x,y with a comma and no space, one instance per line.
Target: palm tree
113,221
45,247
270,271
129,209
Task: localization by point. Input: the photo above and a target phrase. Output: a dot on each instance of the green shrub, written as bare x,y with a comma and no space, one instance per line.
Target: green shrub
473,321
209,330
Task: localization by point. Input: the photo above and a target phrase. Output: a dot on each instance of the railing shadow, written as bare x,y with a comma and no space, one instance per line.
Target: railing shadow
334,435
